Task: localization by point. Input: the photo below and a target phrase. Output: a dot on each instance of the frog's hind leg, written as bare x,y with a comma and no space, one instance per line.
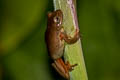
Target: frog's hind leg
61,68
59,71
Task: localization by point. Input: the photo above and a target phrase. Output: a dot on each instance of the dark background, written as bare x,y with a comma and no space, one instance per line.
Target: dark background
23,54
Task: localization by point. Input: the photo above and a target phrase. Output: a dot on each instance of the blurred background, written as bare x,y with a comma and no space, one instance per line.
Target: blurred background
23,54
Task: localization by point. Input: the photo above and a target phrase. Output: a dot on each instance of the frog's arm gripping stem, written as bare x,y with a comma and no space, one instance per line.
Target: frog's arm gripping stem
70,40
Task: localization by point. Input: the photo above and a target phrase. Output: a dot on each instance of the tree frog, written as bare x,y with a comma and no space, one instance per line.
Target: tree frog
55,37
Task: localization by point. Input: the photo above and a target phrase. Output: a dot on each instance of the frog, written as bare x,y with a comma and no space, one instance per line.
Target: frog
55,38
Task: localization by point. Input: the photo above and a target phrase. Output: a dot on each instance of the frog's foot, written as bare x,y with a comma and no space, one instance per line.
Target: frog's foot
70,67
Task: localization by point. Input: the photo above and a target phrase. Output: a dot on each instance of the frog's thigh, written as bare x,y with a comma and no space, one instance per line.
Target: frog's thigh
60,69
58,66
57,69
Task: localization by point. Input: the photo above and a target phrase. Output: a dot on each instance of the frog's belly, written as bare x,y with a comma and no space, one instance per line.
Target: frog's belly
58,51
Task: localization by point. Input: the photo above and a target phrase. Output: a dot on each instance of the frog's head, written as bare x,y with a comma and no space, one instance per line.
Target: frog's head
56,17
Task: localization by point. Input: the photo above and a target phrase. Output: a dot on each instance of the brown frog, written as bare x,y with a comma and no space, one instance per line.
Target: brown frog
55,38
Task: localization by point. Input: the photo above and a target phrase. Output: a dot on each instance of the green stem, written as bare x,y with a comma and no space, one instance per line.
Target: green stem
73,53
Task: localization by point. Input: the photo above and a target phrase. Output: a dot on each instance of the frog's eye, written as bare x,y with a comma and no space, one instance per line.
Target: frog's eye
57,20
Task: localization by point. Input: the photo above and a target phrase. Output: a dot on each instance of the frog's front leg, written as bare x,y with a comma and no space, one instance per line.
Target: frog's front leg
63,68
68,39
